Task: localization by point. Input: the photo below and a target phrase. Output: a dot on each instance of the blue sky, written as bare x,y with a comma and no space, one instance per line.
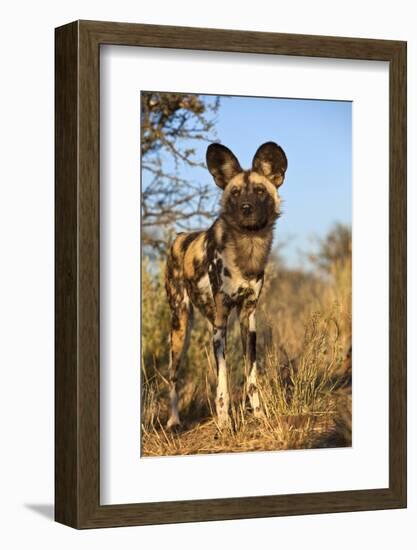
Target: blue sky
317,138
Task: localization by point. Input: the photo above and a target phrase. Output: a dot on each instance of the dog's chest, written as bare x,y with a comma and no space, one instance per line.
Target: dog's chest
223,277
230,279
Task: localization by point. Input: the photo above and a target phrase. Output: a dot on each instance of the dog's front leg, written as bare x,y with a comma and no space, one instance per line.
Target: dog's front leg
222,394
222,311
248,331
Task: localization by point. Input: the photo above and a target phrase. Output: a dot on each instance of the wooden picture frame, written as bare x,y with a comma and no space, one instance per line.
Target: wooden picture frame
77,373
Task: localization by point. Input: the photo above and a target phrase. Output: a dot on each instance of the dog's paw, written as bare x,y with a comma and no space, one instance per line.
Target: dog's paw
224,426
258,412
173,424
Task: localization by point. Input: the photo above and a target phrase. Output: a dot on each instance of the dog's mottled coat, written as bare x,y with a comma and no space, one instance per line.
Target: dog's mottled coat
222,268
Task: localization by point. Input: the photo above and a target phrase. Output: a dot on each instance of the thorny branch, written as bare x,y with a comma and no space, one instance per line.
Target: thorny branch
170,123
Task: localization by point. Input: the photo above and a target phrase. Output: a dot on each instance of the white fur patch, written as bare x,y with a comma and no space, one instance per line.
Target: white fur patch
254,395
231,285
222,394
252,322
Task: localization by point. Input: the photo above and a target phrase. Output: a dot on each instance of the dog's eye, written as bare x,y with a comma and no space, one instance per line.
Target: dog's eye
260,190
235,191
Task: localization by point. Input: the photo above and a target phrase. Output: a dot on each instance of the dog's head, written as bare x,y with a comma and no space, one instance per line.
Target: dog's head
250,201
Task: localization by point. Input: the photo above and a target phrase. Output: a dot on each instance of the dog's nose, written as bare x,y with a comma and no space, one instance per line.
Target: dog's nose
246,208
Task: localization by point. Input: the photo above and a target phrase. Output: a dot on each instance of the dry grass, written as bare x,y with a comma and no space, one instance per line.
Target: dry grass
304,338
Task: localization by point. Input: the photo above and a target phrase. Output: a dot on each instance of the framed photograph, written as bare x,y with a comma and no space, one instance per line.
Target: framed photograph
230,274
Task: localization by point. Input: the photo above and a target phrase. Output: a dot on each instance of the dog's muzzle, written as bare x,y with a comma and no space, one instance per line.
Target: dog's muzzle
246,209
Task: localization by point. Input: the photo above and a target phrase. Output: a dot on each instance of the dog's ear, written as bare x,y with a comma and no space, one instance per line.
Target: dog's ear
270,161
222,164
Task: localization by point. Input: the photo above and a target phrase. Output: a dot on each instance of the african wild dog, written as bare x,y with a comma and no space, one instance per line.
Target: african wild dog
223,268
